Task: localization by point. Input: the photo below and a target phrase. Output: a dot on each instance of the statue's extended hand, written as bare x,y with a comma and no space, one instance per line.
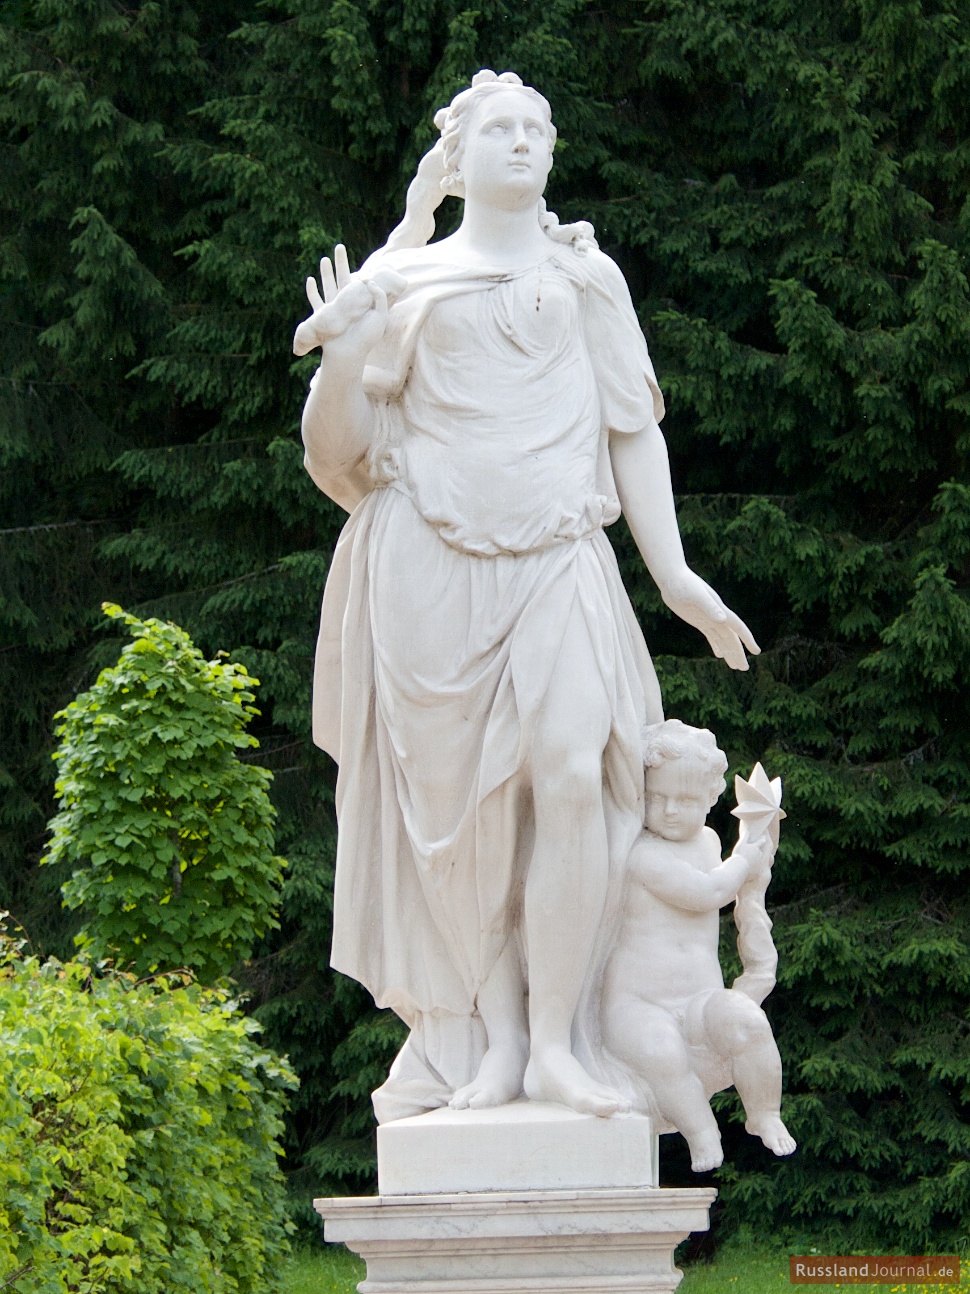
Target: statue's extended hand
689,597
350,308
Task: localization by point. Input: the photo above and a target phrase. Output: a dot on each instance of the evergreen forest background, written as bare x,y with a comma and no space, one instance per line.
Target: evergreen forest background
785,185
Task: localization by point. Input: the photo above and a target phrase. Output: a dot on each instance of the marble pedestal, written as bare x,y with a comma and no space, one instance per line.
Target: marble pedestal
557,1242
572,1206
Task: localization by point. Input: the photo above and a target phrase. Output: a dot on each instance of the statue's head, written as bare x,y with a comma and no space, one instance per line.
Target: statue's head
497,138
683,778
496,147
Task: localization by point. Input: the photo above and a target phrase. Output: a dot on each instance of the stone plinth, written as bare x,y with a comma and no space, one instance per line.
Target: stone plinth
526,1146
557,1242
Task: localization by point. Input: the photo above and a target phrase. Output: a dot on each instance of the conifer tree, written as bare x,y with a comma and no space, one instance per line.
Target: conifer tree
785,186
91,219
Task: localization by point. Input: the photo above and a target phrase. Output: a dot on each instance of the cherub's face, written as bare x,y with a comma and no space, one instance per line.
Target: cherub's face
678,798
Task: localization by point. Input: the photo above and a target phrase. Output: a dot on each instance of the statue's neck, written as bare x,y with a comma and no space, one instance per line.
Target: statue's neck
492,236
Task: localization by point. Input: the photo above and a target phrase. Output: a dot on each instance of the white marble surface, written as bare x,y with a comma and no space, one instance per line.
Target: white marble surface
667,1014
580,1242
485,406
526,1146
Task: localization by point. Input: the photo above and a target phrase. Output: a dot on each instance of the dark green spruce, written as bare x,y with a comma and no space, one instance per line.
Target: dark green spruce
785,185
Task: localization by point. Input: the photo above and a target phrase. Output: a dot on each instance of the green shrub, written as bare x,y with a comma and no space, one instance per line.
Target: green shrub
173,831
139,1127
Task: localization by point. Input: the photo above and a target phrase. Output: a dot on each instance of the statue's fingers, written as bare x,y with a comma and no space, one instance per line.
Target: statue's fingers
327,280
342,264
313,294
744,633
733,652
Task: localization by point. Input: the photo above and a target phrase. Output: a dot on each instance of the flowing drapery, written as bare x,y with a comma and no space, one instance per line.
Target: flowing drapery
451,590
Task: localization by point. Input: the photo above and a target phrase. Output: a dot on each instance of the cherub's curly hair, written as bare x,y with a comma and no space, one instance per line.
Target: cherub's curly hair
673,739
439,171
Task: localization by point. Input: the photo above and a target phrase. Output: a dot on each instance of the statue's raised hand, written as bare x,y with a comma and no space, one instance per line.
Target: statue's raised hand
351,308
689,597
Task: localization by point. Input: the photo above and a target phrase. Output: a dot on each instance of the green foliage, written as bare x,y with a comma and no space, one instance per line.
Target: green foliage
174,833
139,1135
90,220
786,186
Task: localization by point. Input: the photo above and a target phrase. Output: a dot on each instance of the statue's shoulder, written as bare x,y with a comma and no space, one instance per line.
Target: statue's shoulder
403,259
711,844
602,272
648,851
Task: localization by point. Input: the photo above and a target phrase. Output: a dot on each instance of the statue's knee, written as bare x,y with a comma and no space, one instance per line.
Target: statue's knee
735,1024
569,776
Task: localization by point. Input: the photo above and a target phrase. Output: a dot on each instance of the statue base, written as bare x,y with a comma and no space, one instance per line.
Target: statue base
493,1242
523,1146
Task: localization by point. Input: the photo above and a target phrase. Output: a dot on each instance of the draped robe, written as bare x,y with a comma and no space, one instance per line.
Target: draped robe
451,589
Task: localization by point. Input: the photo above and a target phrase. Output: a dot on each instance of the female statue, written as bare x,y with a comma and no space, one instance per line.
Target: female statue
484,406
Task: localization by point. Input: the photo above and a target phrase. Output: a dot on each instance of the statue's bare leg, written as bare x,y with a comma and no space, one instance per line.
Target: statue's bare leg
565,889
648,1039
501,1004
736,1027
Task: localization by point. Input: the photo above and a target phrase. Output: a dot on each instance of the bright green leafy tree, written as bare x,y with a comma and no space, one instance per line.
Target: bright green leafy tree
172,830
139,1136
786,187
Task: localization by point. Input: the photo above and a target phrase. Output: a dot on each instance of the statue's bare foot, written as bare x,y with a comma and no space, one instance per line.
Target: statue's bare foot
498,1081
706,1152
773,1133
554,1074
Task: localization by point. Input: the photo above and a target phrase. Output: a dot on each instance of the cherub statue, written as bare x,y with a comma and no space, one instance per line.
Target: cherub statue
667,1013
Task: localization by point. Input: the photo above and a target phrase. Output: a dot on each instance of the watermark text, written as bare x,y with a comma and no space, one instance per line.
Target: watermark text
883,1269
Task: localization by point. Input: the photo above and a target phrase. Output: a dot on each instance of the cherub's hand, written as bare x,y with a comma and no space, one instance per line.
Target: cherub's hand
759,855
691,598
350,308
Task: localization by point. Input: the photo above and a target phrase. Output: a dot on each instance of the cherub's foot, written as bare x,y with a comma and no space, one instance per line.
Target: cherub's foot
706,1152
498,1081
554,1074
773,1133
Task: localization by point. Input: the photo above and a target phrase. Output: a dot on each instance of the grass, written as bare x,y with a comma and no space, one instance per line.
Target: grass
323,1271
765,1271
753,1271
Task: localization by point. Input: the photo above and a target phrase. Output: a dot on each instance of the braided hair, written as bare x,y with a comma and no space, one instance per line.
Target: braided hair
439,171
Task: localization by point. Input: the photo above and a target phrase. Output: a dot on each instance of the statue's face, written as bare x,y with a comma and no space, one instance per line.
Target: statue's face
678,798
506,155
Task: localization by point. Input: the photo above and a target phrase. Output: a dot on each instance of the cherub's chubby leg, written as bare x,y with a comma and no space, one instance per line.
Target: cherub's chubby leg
648,1039
737,1028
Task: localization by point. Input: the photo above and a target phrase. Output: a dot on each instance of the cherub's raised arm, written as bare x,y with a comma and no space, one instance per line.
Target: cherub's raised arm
683,886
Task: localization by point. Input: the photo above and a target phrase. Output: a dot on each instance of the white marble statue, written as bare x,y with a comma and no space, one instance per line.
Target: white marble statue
485,405
666,1011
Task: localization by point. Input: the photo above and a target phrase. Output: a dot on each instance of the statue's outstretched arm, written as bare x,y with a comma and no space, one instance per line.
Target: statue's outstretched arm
338,419
642,472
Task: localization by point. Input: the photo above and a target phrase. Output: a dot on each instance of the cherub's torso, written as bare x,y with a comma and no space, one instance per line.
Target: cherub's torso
666,954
